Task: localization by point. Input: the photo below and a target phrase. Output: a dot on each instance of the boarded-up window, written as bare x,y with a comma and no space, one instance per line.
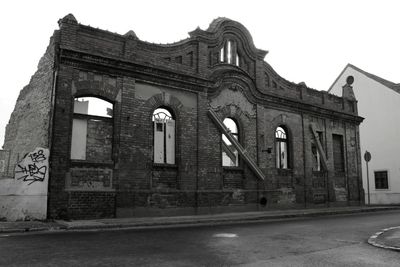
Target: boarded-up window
164,136
92,130
381,180
338,155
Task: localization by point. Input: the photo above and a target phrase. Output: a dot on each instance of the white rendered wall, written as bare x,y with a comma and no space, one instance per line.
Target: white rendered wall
379,133
24,197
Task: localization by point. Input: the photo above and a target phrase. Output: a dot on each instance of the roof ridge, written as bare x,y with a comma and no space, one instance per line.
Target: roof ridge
387,83
384,82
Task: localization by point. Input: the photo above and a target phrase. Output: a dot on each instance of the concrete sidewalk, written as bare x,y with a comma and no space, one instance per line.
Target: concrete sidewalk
388,238
177,221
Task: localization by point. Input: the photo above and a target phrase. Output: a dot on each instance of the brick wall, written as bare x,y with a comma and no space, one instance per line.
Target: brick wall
29,123
138,77
99,140
89,205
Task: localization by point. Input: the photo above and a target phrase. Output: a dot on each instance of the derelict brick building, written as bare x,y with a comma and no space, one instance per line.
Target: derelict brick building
154,145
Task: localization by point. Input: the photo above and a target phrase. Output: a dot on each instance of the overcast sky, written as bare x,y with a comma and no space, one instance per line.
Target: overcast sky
310,41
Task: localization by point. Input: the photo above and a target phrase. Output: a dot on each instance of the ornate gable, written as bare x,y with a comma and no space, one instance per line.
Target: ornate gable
230,43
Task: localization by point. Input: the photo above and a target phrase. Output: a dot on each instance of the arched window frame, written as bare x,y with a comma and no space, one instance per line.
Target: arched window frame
230,155
282,147
164,135
99,117
229,53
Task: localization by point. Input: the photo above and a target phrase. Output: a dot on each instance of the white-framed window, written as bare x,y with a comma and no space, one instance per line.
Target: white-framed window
164,136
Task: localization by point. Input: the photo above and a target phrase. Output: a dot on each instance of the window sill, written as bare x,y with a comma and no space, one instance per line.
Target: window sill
76,162
232,168
318,173
284,172
165,165
340,174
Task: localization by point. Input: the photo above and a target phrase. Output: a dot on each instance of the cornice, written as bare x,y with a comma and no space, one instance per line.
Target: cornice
155,74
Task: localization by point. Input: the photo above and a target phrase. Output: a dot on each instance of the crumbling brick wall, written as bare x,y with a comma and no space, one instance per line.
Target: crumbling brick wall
29,123
188,79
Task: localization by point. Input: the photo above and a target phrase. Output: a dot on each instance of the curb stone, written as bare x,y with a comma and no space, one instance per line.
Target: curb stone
184,221
373,240
30,229
211,221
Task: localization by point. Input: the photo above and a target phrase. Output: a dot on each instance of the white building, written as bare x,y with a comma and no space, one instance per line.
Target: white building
379,103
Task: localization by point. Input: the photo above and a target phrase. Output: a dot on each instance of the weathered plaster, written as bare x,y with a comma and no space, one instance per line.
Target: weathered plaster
25,196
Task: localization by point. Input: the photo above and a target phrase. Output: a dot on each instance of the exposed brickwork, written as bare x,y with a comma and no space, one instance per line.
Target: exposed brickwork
29,123
87,205
99,140
188,79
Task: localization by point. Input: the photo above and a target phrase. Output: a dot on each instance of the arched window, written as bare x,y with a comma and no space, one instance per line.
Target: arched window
164,136
92,130
229,54
281,146
230,155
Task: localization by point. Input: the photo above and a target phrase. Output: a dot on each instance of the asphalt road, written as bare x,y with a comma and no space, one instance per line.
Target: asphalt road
321,241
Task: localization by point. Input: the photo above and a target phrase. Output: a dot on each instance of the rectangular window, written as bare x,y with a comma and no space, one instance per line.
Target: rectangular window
317,161
78,142
159,142
381,180
338,155
92,130
222,55
159,127
229,52
170,141
164,137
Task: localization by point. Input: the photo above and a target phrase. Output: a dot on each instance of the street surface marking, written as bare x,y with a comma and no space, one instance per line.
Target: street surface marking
225,235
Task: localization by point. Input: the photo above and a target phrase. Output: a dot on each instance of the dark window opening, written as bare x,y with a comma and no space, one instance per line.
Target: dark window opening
338,155
381,180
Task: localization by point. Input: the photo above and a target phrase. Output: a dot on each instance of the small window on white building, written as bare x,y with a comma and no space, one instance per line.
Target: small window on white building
381,180
92,129
230,155
164,136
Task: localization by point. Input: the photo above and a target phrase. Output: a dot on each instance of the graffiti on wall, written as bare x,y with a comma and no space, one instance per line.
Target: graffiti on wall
33,167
